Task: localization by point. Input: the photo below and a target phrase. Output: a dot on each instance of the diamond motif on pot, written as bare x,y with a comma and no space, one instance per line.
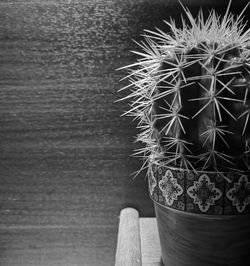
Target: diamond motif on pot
190,206
170,188
240,194
204,193
180,205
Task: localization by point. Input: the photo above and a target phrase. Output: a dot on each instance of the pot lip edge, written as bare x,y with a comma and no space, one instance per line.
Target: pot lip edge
204,215
200,171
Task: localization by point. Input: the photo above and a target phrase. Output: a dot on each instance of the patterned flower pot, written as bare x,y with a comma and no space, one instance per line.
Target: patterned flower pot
202,218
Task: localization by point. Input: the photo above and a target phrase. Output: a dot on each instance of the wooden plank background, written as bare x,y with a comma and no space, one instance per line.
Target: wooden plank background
64,149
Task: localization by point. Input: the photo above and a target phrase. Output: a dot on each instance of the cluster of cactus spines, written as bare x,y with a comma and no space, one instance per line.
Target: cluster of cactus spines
190,93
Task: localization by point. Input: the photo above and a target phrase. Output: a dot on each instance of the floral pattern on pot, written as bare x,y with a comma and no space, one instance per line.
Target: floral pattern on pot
170,188
204,193
239,194
200,192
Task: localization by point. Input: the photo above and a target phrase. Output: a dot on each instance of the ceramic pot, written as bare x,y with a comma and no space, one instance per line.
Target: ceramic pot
203,219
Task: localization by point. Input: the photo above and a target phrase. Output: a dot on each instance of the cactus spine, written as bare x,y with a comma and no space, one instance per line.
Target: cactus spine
190,94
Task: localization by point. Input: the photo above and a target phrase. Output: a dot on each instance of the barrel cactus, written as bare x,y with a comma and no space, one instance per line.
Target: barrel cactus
189,92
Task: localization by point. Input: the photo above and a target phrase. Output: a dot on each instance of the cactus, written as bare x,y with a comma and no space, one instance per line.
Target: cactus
189,92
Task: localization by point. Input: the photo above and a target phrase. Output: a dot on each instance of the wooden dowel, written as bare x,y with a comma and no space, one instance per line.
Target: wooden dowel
128,252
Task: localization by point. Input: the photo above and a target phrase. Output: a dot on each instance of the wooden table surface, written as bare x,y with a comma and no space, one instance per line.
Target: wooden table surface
138,241
150,243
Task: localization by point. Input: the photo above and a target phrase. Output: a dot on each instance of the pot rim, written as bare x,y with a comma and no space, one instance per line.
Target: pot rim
202,192
176,168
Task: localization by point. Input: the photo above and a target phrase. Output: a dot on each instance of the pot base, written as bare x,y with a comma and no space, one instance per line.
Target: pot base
189,239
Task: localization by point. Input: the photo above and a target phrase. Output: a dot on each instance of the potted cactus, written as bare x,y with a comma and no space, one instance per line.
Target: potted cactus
189,92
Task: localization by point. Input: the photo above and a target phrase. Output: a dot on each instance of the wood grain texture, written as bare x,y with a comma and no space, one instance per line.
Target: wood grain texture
55,245
64,150
138,240
150,242
128,251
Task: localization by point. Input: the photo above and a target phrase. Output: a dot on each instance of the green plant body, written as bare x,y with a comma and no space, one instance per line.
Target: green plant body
189,92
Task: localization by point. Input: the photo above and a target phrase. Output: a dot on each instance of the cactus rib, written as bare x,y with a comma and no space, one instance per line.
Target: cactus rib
189,92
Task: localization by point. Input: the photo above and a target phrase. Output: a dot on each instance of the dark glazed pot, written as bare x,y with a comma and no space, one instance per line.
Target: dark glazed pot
203,220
